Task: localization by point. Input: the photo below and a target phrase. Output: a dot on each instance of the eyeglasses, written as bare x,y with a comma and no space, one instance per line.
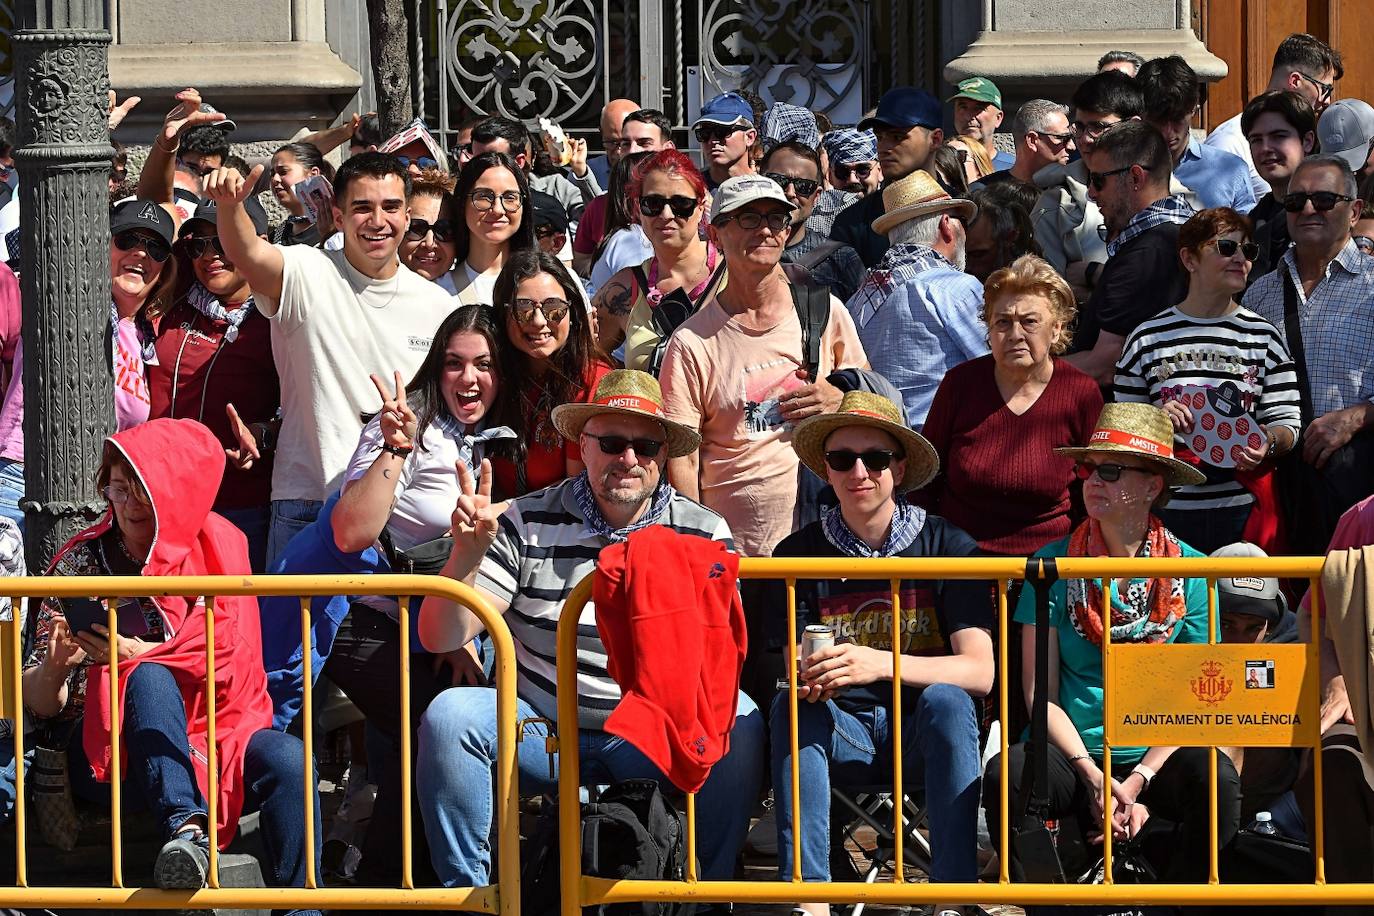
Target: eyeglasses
874,459
484,200
155,246
197,245
719,133
1327,89
462,149
681,205
554,309
1107,473
805,186
420,162
544,231
1099,179
1322,201
1061,139
616,445
1364,243
860,171
419,228
118,496
777,220
1227,248
1092,129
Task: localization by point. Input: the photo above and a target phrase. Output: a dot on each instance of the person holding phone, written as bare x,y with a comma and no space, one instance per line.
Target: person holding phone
159,481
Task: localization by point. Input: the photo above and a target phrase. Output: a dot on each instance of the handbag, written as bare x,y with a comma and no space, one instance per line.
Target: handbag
51,797
425,559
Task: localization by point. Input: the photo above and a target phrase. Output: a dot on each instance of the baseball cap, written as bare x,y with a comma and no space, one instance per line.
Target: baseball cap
1345,130
978,88
735,192
548,211
905,106
226,125
727,108
208,211
1249,594
142,214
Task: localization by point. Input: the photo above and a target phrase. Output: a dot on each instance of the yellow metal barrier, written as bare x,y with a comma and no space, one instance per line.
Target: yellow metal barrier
500,898
582,890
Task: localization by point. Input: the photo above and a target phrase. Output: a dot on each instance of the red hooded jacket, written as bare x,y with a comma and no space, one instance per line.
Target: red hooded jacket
673,626
180,463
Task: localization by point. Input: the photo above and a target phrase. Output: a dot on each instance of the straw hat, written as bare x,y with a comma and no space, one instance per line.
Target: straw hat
1144,431
626,391
917,195
863,408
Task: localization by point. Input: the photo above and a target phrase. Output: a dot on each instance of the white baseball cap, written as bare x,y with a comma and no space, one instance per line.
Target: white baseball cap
735,192
1346,130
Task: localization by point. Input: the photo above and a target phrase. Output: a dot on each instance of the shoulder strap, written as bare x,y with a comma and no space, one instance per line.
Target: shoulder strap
1292,329
641,280
813,312
819,253
1041,574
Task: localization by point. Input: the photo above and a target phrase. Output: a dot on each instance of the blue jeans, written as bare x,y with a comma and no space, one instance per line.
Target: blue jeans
940,740
256,524
160,768
454,781
289,518
12,490
7,775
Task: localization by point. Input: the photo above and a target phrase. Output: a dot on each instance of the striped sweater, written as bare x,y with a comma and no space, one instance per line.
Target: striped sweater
542,550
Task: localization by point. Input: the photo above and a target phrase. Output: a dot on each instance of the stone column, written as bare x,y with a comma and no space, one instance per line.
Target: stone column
63,155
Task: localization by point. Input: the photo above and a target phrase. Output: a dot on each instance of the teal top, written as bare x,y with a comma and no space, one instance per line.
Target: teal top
1080,662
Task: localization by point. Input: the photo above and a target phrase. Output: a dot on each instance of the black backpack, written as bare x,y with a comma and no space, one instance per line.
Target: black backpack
630,832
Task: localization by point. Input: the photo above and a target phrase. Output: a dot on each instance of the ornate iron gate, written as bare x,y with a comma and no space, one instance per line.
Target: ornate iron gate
564,59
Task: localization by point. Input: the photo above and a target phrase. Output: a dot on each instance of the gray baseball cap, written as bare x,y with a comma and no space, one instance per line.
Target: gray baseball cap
1249,594
1346,130
735,192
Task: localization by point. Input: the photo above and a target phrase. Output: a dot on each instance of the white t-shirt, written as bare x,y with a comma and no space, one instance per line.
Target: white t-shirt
335,326
1228,137
625,248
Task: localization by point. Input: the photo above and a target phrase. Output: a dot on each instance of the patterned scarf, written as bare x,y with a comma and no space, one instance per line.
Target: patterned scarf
205,302
586,501
1153,607
899,264
147,337
471,448
1168,210
907,522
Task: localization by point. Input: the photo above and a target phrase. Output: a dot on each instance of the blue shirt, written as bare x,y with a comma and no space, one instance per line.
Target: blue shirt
918,317
1002,160
1217,177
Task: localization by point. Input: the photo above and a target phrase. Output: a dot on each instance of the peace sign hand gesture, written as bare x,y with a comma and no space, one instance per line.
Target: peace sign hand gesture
397,419
474,517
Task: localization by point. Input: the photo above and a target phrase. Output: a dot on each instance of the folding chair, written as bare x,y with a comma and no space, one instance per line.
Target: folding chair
853,809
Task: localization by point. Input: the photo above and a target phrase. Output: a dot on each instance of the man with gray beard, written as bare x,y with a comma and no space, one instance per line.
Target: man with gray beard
919,315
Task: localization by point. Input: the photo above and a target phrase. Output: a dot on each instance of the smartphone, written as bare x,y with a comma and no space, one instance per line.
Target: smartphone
81,613
316,194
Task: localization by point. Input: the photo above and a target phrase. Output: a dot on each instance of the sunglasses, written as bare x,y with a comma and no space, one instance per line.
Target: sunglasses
1091,128
1107,473
155,246
420,162
718,133
681,205
1364,243
1057,138
875,459
1327,89
462,149
197,245
484,200
1227,248
805,186
1099,179
419,228
860,171
616,445
1322,201
554,309
777,220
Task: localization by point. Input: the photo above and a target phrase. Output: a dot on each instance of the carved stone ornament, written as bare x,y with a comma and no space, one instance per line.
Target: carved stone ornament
67,85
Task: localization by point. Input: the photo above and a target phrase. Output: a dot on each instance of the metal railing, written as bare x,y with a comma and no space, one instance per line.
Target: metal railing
581,890
502,897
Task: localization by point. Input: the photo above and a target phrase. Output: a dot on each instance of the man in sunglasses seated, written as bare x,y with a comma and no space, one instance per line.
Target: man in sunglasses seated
796,168
845,708
1128,172
525,557
1327,287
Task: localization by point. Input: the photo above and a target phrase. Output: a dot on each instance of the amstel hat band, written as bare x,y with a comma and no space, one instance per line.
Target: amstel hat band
630,402
1131,440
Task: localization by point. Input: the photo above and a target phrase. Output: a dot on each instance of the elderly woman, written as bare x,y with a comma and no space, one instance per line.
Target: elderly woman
1128,470
1214,366
996,419
159,481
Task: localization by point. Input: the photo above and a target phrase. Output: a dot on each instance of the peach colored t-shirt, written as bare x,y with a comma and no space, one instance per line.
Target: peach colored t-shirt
724,380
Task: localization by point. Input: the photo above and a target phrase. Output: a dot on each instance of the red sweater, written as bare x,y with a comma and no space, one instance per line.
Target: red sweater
999,479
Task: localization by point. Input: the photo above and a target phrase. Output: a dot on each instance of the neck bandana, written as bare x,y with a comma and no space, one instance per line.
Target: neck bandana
205,302
907,522
471,446
1150,608
147,337
586,501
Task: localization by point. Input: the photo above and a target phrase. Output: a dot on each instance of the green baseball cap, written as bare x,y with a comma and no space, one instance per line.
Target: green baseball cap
980,89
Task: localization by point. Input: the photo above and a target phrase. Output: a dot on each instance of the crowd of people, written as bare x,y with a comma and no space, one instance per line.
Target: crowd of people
494,362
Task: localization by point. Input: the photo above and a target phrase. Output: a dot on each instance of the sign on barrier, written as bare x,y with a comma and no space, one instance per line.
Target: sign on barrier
1199,695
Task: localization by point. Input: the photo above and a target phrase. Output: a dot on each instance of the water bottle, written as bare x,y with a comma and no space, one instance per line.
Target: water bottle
1264,823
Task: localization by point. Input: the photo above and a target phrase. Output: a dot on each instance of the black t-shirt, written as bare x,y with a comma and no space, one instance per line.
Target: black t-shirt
1271,234
854,227
860,610
1142,279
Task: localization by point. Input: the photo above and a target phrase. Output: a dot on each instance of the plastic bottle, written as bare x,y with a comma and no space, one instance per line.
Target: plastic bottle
1264,823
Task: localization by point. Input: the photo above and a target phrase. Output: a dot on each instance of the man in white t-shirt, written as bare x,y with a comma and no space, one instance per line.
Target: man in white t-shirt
339,315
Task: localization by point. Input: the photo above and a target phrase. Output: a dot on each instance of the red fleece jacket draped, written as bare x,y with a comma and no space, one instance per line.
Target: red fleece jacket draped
181,463
673,626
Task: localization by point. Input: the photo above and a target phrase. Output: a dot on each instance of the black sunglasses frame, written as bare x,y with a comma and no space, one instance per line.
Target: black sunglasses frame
877,460
1322,201
1107,473
682,206
616,445
805,186
156,246
1249,249
443,229
196,245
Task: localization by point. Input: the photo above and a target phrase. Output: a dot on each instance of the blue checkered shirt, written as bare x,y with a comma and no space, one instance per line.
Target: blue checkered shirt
1337,323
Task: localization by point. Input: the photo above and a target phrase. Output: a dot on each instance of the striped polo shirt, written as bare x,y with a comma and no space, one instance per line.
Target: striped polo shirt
542,550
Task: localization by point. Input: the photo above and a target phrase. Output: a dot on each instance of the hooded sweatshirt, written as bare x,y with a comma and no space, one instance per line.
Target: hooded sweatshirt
180,464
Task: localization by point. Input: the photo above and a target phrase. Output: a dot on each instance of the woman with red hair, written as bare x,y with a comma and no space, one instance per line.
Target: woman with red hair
640,306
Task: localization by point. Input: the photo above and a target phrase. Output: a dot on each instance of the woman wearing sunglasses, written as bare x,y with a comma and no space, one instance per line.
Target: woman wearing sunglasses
429,247
143,281
494,195
214,365
548,350
1215,367
1128,470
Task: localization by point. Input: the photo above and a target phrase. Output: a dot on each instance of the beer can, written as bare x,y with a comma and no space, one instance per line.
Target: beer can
816,637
